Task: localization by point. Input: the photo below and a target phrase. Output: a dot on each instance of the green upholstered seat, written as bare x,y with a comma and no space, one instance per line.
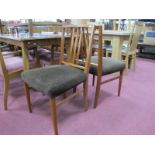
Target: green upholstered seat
54,80
109,65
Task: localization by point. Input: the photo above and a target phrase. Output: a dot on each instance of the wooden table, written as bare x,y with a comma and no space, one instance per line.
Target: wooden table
25,40
117,38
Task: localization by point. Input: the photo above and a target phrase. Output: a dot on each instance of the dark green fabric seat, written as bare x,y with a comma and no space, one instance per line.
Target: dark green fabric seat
54,80
109,65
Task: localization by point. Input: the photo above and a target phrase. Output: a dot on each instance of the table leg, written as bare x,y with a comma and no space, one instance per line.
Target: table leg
52,55
117,47
25,57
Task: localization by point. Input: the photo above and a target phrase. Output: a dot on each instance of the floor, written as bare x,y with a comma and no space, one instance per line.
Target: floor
132,113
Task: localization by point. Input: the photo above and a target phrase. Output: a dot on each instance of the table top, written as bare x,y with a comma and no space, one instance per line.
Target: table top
26,36
118,33
146,44
115,33
45,35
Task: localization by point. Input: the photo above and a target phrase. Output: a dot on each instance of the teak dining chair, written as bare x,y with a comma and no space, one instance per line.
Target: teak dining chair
55,80
101,66
130,51
11,67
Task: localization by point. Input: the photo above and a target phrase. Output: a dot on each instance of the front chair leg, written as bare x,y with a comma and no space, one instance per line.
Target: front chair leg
27,93
120,82
85,95
98,85
54,115
6,89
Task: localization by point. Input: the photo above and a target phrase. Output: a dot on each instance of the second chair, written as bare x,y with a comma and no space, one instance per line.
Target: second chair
102,66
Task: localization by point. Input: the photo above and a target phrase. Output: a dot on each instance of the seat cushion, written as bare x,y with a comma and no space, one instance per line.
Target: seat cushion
54,80
109,65
12,63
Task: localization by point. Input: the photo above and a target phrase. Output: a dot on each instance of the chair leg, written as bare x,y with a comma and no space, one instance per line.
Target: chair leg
85,95
5,97
98,85
54,115
27,93
93,81
120,82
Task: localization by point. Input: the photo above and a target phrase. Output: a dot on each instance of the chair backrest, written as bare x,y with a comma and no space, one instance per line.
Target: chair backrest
39,27
134,36
99,30
80,49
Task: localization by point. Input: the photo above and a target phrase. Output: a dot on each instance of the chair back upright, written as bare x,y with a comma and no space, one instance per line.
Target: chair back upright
3,68
134,36
80,48
100,53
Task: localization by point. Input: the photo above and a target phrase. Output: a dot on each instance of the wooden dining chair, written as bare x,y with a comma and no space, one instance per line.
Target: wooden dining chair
102,66
10,67
129,52
55,80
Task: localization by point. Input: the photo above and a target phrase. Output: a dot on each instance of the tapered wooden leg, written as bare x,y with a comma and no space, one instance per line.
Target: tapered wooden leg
54,115
85,95
93,81
120,83
6,90
27,93
98,85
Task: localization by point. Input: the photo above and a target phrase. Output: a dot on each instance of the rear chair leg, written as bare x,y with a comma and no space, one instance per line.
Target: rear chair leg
85,95
27,93
54,115
97,91
6,89
120,82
